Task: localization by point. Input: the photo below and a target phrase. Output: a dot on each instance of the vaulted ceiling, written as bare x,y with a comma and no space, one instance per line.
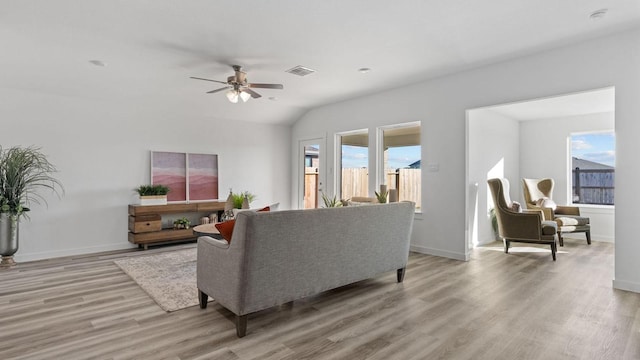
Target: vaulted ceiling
152,47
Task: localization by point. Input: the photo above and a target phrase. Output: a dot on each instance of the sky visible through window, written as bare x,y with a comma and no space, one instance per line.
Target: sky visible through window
399,157
596,147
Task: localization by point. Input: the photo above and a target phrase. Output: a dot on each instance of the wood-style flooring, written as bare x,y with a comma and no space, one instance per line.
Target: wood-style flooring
520,305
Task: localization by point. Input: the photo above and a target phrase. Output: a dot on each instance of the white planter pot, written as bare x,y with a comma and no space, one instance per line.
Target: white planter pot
153,200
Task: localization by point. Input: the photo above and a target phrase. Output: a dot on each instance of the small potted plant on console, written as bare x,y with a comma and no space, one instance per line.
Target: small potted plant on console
152,194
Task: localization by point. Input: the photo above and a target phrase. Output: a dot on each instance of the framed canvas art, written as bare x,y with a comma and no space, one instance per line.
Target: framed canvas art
190,177
203,176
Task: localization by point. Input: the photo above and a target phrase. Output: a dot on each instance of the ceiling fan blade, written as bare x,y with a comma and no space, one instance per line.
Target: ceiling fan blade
266,86
254,94
216,90
197,78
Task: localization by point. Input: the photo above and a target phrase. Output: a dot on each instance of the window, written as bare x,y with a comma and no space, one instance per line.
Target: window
593,168
354,164
401,161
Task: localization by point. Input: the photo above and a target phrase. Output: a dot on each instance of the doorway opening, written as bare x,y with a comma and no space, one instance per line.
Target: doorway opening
533,139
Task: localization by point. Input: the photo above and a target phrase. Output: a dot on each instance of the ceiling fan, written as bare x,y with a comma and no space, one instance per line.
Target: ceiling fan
239,87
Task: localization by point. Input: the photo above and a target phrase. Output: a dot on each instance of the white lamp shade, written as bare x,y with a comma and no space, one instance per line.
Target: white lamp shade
232,95
245,96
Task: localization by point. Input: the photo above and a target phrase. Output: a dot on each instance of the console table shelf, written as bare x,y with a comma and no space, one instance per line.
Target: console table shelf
150,217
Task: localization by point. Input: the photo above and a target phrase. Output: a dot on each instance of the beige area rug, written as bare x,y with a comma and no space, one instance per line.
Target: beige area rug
169,278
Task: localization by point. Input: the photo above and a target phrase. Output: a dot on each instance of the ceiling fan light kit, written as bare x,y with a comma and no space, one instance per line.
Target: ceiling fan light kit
239,87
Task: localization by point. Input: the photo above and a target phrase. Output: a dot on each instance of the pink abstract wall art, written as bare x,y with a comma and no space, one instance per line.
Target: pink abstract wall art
170,169
191,177
203,176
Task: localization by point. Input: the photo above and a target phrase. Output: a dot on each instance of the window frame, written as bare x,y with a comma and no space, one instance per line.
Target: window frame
380,170
570,175
337,181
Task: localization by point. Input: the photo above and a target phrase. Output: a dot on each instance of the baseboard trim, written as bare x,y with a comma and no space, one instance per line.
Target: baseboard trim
626,286
71,252
437,252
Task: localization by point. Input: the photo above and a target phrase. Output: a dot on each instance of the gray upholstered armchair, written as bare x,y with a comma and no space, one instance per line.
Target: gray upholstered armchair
514,226
538,192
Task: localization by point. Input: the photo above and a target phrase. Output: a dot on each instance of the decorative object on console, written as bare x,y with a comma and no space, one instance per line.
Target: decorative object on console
177,170
245,202
152,194
181,223
239,199
23,171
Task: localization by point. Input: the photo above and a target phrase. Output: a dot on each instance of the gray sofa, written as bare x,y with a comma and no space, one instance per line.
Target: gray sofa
277,257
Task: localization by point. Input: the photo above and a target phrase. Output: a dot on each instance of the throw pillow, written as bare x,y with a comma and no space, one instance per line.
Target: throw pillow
226,229
546,203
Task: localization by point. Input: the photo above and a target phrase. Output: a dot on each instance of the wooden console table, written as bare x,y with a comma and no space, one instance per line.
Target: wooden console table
145,222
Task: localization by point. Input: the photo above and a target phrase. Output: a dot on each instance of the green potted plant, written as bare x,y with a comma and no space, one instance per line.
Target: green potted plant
181,223
238,199
23,172
494,223
330,201
152,194
382,196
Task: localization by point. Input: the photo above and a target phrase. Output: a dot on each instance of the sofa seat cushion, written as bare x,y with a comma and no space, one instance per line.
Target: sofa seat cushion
549,227
572,220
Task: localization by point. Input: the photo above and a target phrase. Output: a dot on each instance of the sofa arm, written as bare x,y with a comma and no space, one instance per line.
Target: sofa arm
547,213
221,243
567,210
219,271
524,225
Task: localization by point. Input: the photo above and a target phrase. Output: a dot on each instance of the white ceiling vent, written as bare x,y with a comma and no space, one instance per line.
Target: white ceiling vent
300,71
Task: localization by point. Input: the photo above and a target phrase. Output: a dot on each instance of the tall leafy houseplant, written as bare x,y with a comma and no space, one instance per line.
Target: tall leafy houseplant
24,171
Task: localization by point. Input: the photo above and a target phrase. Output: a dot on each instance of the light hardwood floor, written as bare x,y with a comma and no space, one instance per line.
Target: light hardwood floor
496,306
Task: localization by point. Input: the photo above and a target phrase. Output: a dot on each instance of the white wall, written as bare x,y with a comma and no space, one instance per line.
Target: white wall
101,148
441,104
494,148
545,152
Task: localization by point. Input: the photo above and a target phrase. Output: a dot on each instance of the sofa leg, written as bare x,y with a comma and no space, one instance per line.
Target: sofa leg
588,237
401,274
203,298
506,246
554,248
241,325
560,240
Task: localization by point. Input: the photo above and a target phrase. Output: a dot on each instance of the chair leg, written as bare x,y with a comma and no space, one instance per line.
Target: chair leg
401,274
506,246
203,298
588,237
560,240
241,325
554,248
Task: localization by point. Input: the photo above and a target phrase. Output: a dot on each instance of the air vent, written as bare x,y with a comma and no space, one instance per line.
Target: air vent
300,71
